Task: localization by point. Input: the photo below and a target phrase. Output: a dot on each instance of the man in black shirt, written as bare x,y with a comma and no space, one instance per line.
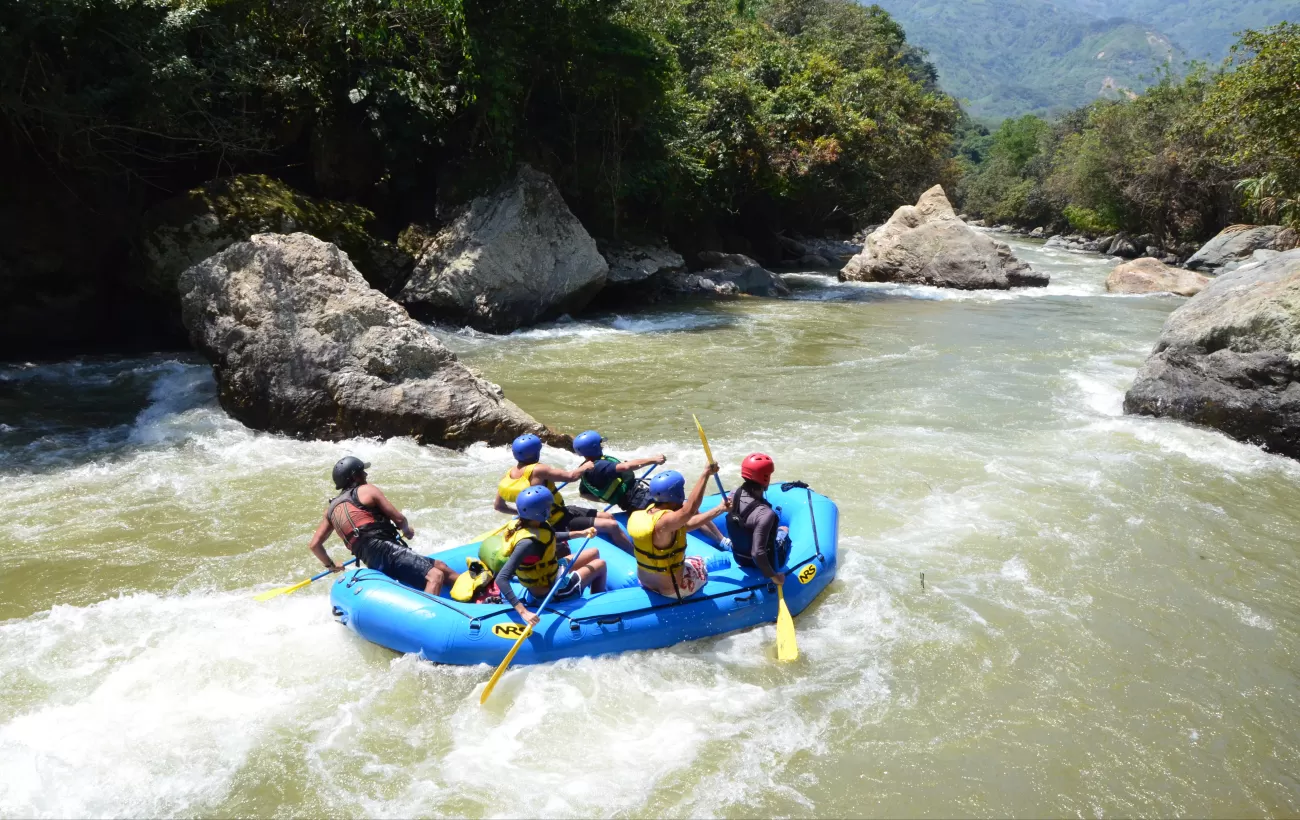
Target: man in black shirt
758,540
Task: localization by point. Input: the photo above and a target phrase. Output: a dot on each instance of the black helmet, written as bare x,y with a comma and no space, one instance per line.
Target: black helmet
346,470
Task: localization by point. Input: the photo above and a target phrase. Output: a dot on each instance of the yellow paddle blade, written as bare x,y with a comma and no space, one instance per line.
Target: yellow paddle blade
787,649
271,593
703,439
483,536
505,664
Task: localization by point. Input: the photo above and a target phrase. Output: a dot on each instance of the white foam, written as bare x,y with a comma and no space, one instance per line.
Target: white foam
156,702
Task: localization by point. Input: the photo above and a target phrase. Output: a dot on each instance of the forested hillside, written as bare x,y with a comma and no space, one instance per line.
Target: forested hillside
1004,58
1177,163
700,120
1203,28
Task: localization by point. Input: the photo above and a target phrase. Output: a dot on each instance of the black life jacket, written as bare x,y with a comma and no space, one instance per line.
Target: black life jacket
351,519
738,528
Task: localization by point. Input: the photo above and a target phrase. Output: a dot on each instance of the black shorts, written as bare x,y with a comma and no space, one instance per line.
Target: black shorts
576,518
638,498
394,560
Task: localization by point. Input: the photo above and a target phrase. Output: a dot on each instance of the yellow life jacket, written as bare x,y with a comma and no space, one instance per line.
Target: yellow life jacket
649,557
510,488
541,573
474,579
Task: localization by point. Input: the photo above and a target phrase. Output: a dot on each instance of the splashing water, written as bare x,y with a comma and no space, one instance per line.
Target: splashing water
1107,625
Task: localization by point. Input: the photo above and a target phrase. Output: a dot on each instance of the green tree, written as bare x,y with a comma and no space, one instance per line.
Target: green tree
1255,111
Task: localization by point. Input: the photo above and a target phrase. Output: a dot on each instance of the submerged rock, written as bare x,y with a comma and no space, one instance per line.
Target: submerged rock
1148,275
1230,358
735,273
187,229
508,260
301,345
927,244
1235,244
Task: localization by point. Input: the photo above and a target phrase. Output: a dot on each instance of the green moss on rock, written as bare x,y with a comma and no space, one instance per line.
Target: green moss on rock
189,228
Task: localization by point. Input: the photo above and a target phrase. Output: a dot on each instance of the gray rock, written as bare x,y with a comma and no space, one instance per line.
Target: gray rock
1037,233
814,260
1230,358
1123,247
630,263
1148,275
927,244
975,223
508,260
301,345
1232,246
737,273
697,284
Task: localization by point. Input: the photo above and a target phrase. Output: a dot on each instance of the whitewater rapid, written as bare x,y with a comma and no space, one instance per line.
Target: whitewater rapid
1107,625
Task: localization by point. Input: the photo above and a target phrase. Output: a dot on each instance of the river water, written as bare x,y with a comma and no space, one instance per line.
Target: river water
1107,625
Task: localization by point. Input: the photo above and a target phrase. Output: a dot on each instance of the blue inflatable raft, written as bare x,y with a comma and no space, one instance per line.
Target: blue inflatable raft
623,617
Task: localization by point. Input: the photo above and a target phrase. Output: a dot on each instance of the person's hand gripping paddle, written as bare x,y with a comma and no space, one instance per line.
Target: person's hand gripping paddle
787,648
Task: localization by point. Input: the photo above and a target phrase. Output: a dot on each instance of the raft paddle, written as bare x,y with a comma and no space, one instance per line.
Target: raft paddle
528,628
709,455
510,656
271,593
787,649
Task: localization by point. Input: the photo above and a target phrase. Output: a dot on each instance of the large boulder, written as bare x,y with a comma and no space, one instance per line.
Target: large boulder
1230,358
507,260
927,244
1148,275
301,345
1235,243
632,263
187,229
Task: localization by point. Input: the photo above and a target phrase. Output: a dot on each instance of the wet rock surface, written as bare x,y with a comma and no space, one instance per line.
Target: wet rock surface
1230,358
300,344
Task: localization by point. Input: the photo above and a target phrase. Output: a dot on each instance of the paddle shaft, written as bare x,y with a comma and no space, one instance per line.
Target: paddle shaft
559,582
704,440
319,576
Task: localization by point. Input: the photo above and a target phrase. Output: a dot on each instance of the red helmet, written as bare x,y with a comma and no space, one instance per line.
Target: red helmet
757,467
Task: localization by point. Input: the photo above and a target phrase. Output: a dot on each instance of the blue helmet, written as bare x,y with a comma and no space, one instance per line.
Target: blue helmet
587,445
668,488
527,449
534,503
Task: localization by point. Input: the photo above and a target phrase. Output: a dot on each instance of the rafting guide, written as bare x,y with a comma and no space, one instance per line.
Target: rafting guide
368,522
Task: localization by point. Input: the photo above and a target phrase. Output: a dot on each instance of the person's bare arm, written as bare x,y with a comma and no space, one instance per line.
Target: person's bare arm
700,519
546,472
502,506
372,496
566,537
317,545
677,519
638,463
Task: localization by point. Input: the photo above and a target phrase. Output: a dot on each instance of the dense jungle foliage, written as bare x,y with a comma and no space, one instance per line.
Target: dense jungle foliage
699,119
1178,162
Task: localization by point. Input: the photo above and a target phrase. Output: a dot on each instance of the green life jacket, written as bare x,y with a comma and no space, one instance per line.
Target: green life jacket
616,491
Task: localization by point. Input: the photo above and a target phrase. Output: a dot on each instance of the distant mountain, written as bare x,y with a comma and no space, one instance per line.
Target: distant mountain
1004,58
1204,28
